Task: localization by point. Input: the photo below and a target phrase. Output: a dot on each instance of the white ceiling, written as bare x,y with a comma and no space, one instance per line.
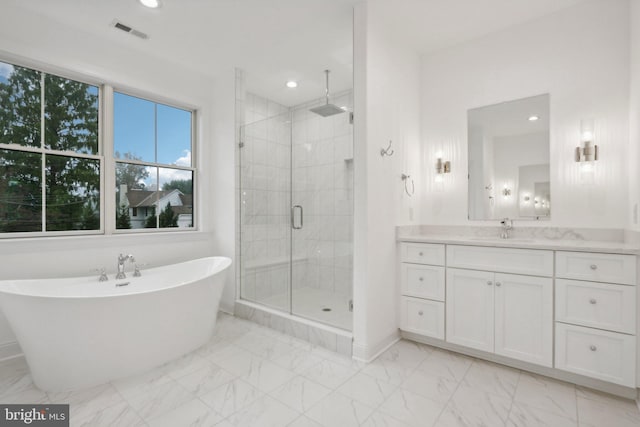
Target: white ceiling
512,117
276,40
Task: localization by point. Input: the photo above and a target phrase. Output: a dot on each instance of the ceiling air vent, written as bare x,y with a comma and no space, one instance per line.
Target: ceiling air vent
127,29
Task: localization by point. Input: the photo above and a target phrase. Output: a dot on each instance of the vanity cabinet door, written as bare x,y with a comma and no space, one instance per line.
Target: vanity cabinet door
524,318
469,308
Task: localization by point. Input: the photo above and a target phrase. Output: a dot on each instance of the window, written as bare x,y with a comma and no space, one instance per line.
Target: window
49,152
152,147
52,177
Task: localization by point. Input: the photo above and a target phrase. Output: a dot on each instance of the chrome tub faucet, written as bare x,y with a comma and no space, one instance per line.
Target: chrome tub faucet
121,260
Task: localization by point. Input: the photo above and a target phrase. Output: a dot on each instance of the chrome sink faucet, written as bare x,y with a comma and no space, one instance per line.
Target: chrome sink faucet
121,260
507,224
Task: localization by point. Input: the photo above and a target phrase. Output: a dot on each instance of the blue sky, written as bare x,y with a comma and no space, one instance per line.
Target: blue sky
135,130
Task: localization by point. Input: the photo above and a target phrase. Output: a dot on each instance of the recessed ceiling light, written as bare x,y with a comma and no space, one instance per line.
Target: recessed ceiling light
153,4
292,84
533,118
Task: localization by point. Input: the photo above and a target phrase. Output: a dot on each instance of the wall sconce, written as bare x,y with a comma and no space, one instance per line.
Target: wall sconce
441,169
506,192
527,199
588,151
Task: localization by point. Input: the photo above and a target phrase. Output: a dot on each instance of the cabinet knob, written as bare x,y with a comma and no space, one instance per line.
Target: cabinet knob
489,282
421,279
498,284
420,313
593,267
592,301
593,348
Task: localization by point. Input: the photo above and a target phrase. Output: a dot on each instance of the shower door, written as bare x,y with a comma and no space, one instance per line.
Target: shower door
265,200
296,214
322,215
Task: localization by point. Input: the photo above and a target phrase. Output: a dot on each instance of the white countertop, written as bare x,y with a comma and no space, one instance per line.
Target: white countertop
526,243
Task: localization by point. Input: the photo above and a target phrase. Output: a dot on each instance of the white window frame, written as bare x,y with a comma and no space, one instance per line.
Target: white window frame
105,155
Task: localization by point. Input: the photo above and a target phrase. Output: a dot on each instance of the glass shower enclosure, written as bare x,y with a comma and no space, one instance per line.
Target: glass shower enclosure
296,213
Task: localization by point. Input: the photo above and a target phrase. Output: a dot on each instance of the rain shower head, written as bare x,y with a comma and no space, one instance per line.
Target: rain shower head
327,109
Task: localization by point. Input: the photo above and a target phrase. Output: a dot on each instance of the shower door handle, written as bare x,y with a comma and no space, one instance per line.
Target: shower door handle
293,217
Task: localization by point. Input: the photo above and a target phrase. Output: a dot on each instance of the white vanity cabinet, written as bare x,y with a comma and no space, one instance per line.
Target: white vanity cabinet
422,286
562,312
596,315
502,313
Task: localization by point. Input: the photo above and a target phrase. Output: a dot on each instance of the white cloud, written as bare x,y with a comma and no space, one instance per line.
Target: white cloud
5,70
184,160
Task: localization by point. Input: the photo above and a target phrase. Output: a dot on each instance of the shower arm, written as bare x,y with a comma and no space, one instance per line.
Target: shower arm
326,87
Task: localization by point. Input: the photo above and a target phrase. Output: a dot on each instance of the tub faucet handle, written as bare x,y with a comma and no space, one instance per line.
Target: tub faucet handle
103,274
136,270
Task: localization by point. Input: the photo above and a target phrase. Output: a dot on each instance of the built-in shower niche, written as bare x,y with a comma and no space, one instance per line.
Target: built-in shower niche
296,209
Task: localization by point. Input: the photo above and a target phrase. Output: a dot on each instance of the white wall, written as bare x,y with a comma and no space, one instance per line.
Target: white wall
580,56
386,76
24,34
634,119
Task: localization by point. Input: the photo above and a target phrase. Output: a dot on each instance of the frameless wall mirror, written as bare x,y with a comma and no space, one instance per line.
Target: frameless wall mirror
508,148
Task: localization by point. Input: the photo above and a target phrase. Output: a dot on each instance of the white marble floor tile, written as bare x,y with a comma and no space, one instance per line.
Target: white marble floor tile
266,375
298,360
388,371
412,409
339,410
205,379
329,374
241,362
160,399
185,365
547,394
304,421
523,415
228,352
21,391
121,415
337,357
607,411
300,393
139,384
87,401
231,397
408,354
438,388
606,398
264,412
446,364
492,378
367,389
215,345
193,413
471,407
379,419
267,347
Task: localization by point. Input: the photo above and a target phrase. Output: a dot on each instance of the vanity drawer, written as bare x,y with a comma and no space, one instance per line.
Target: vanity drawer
611,268
422,317
598,305
423,281
506,260
608,356
422,253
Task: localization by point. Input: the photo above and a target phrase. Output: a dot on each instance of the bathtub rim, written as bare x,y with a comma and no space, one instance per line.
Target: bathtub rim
225,262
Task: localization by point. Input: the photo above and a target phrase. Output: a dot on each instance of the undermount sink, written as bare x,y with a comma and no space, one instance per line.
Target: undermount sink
498,239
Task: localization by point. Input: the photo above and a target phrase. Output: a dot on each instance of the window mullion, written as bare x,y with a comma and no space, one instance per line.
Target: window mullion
109,174
43,179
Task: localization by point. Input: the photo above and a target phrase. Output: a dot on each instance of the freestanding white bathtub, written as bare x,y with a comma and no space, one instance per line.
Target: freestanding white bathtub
79,332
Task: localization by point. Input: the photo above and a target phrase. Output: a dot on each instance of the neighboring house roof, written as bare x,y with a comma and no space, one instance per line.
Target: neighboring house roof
146,198
180,210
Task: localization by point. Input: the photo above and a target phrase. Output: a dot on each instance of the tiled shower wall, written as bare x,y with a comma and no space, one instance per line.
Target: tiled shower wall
322,183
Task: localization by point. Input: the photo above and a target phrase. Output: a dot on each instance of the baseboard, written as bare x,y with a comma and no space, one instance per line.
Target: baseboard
9,350
367,353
